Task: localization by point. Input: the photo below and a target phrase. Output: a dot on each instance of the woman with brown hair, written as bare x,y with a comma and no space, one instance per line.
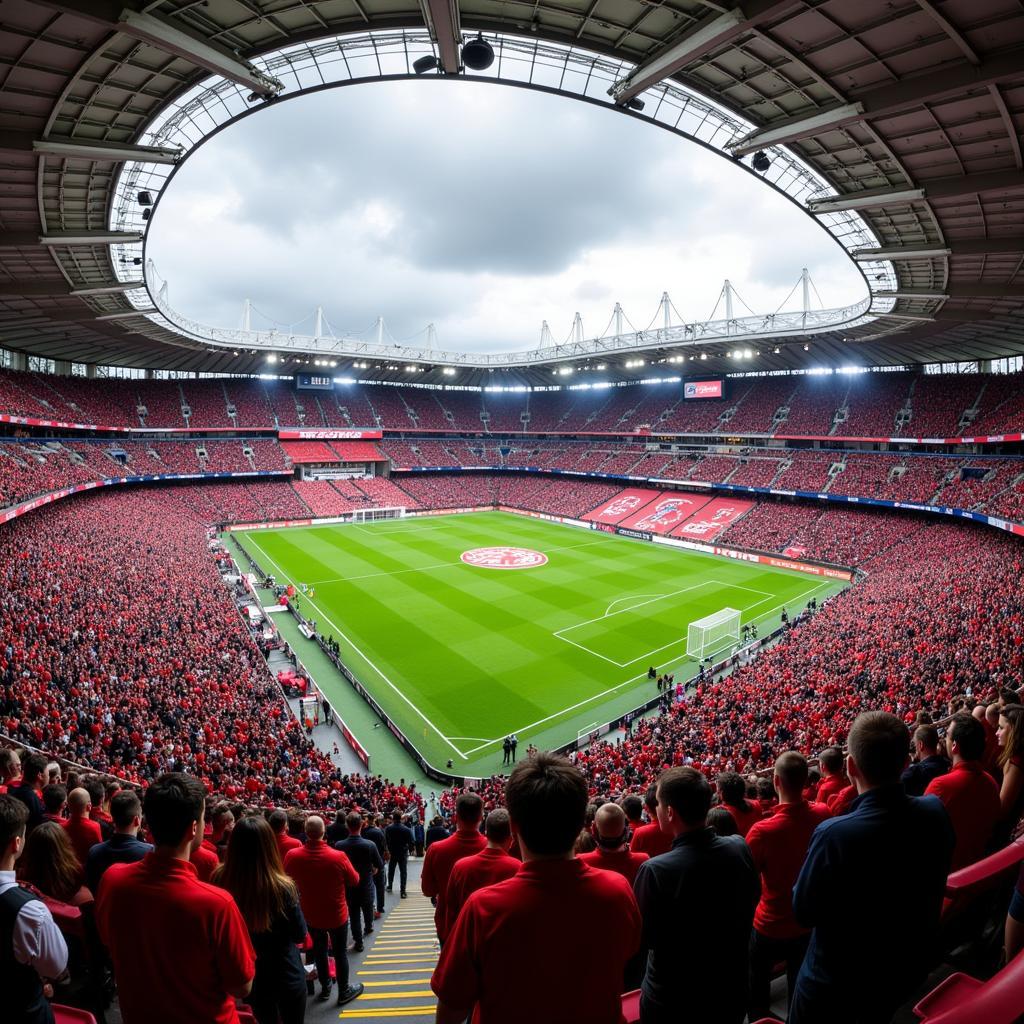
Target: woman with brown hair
252,872
49,864
1010,737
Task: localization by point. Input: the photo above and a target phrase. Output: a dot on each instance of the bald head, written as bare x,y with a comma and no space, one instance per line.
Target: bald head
610,826
79,802
314,827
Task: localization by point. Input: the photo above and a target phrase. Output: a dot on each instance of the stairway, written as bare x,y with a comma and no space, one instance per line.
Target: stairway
397,966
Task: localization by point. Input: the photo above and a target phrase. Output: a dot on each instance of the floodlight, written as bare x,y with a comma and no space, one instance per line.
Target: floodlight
478,54
425,64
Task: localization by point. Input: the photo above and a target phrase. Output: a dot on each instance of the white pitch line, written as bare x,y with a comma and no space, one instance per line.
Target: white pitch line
660,597
362,655
634,597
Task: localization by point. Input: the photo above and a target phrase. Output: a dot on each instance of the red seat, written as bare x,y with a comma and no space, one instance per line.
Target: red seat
631,1006
987,873
961,999
71,1015
246,1016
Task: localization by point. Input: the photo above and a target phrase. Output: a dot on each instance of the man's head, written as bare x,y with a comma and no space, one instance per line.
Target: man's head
79,803
966,738
315,827
33,768
651,802
634,808
546,798
55,799
10,764
13,821
611,828
498,828
278,821
396,817
926,741
354,821
126,810
684,797
879,745
790,774
222,820
831,761
469,809
93,785
175,806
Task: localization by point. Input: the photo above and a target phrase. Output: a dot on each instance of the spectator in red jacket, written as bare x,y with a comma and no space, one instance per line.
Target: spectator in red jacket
611,830
442,856
491,865
833,774
969,793
649,838
322,876
180,948
279,824
500,958
778,845
732,791
83,832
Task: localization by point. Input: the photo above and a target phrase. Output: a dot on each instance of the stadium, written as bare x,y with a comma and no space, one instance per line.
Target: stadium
681,662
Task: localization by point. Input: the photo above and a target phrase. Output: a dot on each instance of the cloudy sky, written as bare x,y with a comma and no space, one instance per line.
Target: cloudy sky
482,209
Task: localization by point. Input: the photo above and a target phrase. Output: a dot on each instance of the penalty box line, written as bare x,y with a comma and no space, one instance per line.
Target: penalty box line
604,693
358,651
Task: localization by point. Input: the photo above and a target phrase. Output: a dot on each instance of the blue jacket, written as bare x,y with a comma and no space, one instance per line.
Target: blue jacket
871,889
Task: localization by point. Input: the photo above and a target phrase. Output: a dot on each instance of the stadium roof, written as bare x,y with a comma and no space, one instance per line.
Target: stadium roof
911,111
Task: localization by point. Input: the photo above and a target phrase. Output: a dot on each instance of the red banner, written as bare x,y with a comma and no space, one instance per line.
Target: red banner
712,519
625,503
667,512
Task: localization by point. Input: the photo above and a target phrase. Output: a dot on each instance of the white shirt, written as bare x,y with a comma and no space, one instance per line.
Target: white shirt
37,941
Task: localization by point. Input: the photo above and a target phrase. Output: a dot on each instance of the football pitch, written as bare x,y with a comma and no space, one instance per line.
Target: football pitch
462,651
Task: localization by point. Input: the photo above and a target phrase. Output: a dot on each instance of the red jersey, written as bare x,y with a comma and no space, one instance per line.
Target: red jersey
840,802
830,787
285,843
437,868
971,799
205,862
622,861
651,840
500,940
779,845
84,834
744,818
488,867
177,944
322,874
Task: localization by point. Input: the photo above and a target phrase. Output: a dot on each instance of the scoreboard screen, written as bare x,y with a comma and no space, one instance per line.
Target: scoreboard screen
704,388
313,382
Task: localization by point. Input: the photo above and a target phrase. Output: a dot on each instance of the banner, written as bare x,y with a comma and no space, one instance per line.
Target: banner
329,434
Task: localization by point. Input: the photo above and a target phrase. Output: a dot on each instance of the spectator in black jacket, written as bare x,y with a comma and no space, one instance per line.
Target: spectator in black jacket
400,841
706,887
33,770
366,859
373,830
124,847
928,762
436,832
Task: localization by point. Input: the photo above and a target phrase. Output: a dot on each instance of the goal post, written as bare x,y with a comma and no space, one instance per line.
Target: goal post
712,633
373,515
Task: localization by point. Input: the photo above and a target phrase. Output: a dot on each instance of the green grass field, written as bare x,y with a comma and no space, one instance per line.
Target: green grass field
460,655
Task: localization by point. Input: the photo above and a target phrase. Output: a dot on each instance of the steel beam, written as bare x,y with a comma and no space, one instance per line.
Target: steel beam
109,289
128,314
1010,290
936,188
702,39
794,129
107,152
442,19
87,237
901,252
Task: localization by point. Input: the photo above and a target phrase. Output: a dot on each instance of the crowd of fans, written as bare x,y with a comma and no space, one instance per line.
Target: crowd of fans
938,405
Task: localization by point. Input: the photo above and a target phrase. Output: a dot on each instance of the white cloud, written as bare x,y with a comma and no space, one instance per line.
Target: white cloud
482,209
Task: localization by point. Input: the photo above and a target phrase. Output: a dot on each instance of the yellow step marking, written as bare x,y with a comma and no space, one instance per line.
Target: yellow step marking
396,995
400,970
397,981
401,960
378,1012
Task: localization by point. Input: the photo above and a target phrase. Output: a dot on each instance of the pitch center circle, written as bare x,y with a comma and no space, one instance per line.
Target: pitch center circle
504,558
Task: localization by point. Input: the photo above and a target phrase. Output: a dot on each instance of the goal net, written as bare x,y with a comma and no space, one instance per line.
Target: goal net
713,633
372,515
